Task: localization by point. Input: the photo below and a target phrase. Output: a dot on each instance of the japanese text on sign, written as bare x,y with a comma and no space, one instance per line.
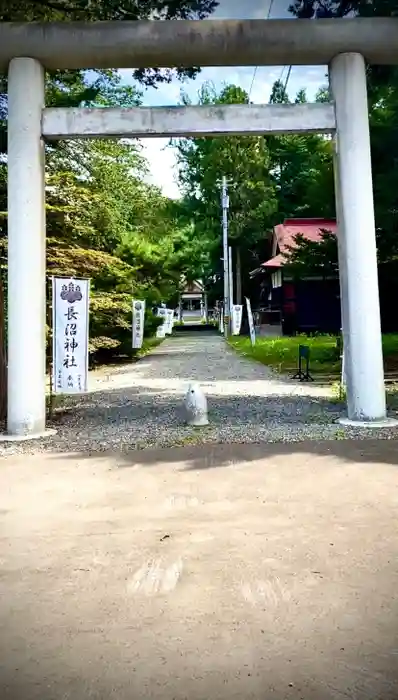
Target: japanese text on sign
70,335
138,323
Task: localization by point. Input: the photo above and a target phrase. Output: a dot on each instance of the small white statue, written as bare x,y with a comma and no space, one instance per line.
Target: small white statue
195,403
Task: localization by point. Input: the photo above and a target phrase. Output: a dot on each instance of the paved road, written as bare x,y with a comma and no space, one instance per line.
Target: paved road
204,358
139,405
224,572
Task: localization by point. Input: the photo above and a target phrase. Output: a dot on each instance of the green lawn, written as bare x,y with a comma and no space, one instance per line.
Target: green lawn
282,353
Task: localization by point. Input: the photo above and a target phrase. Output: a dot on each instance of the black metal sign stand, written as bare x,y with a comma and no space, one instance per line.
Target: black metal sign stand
303,375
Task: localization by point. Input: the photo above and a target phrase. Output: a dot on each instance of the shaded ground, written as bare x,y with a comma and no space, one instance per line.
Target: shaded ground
247,572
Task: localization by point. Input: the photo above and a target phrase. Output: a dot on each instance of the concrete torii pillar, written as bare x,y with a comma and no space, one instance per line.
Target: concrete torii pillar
360,290
26,250
343,277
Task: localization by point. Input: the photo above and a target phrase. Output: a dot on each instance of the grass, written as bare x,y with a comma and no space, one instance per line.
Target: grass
282,353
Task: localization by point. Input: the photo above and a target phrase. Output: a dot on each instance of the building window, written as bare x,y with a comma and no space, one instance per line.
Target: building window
277,279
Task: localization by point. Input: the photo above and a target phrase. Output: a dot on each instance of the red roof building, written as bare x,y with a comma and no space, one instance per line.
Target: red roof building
284,236
287,305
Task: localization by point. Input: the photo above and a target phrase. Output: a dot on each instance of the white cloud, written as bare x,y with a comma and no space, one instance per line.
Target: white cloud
162,161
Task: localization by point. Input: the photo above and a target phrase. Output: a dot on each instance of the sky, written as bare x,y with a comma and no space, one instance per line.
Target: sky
161,156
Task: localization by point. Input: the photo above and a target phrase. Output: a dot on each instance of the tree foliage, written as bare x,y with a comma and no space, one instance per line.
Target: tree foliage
383,115
308,9
270,179
104,10
244,161
301,167
104,221
308,258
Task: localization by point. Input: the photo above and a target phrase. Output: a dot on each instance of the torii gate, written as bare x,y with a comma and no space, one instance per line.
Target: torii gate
26,50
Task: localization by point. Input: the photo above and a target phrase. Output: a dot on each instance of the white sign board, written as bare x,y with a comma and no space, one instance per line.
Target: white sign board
236,321
170,321
251,322
70,335
138,323
161,330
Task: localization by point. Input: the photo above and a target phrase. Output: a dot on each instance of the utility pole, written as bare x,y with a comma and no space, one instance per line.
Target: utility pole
225,207
231,279
238,272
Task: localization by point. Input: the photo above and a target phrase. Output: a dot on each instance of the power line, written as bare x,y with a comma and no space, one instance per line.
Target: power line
255,69
281,75
283,69
287,79
252,82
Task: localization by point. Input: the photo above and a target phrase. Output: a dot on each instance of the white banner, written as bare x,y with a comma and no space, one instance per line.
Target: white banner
221,327
70,335
170,321
138,323
251,323
161,330
236,321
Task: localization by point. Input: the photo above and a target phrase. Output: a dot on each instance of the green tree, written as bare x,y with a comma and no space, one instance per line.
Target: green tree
307,9
383,115
94,188
107,223
101,88
105,10
312,258
279,93
103,219
244,161
384,145
301,167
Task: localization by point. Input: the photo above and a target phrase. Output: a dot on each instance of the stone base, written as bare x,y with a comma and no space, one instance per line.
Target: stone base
199,423
24,438
382,423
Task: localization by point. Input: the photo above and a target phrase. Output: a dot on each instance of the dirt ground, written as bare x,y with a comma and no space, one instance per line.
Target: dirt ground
220,572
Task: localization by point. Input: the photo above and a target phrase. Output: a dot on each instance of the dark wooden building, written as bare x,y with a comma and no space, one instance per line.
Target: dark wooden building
286,305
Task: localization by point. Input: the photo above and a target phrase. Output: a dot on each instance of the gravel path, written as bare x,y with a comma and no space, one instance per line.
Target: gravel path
139,405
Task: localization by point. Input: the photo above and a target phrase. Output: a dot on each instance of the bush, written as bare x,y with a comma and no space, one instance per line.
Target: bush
111,326
112,286
152,323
